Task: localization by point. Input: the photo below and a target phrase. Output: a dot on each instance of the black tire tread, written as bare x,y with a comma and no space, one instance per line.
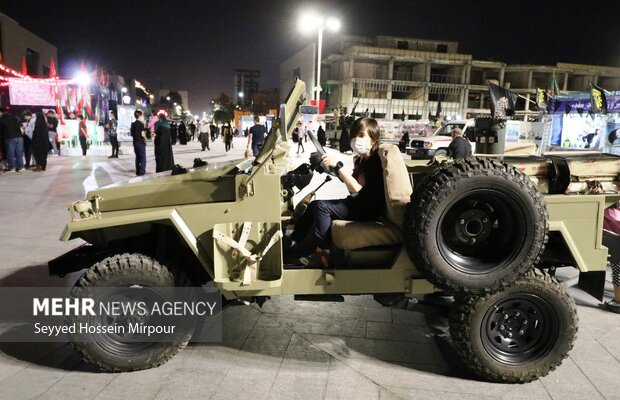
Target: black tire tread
117,264
426,200
460,331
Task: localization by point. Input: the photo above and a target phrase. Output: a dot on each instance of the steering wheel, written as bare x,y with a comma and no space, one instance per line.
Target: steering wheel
316,158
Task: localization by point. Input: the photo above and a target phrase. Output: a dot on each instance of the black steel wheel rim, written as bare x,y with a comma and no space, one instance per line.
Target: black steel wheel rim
481,231
127,344
520,329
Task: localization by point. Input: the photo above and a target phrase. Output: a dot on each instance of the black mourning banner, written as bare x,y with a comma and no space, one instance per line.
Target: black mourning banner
502,101
598,99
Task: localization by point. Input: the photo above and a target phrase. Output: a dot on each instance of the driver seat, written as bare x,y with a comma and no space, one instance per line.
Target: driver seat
358,244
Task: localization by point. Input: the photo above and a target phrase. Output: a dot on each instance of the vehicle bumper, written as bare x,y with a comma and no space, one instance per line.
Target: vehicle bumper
416,152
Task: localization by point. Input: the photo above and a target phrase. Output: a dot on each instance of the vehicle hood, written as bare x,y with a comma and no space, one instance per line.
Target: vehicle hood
211,183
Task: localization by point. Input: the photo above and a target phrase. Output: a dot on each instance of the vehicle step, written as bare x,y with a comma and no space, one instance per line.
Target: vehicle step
336,298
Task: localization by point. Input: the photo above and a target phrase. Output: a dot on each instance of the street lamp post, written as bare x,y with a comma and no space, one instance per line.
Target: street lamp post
317,93
309,21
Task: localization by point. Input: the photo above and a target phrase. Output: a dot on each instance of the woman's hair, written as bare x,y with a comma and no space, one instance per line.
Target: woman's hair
80,116
371,127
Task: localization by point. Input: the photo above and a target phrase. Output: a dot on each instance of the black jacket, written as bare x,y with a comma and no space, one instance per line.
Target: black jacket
459,148
9,127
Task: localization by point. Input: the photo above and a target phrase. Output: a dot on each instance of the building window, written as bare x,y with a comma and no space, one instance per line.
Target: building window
402,45
32,60
442,48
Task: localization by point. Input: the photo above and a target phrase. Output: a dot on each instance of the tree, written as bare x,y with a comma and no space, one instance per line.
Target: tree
223,108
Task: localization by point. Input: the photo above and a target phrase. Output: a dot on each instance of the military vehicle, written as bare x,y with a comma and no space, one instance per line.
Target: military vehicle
488,231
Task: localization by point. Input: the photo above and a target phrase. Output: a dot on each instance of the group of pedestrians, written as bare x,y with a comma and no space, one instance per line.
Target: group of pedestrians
33,136
162,139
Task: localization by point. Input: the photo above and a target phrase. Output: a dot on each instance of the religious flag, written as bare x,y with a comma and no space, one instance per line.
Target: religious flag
541,98
502,101
555,89
598,100
52,68
404,115
68,99
97,111
438,108
24,66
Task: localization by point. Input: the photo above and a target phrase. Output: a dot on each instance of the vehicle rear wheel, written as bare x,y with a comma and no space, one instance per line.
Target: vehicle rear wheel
118,352
519,334
475,226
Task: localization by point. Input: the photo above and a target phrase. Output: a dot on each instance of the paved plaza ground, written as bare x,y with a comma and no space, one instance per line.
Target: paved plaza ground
284,350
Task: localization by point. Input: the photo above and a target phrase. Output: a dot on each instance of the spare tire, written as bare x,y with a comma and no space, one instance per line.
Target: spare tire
475,226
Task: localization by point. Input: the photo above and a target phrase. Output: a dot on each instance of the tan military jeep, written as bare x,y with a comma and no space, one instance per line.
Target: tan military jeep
490,232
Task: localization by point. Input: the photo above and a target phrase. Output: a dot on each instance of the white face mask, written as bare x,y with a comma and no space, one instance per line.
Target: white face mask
361,145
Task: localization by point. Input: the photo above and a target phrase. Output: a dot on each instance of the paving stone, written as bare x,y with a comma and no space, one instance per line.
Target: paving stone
143,384
569,380
399,332
83,384
300,379
41,375
344,383
190,384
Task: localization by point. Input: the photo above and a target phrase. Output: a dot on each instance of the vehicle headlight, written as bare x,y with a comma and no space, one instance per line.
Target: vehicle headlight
84,209
428,145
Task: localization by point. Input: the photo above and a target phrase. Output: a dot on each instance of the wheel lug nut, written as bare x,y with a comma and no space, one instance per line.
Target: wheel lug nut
502,327
485,220
525,322
517,313
462,222
509,334
521,332
473,240
506,316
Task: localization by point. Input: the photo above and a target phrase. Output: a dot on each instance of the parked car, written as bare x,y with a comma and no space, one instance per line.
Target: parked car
438,142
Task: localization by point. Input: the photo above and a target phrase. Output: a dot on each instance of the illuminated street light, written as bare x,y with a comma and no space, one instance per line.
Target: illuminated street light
168,98
124,90
309,22
241,94
82,78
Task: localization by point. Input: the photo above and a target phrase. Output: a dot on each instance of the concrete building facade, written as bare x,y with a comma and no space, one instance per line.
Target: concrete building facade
245,86
17,42
392,76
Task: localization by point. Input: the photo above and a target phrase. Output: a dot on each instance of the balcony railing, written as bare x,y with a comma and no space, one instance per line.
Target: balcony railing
409,76
452,79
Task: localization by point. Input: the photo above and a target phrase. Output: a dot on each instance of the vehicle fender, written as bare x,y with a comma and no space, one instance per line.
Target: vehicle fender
122,224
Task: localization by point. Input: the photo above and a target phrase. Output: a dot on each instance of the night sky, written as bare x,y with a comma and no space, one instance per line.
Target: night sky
196,44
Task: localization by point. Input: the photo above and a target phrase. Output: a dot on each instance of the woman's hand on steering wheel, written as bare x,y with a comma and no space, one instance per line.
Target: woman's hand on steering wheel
327,160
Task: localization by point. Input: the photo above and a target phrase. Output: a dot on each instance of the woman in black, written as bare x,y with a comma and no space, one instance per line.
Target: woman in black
40,142
164,159
227,134
367,199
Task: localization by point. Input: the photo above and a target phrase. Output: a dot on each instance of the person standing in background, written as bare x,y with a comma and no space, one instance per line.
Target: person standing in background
164,158
138,134
227,136
256,137
111,126
52,127
204,134
13,142
300,143
40,142
29,121
83,134
459,147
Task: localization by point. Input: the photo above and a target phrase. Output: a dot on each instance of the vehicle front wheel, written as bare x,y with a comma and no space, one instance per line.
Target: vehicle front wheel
519,334
137,276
